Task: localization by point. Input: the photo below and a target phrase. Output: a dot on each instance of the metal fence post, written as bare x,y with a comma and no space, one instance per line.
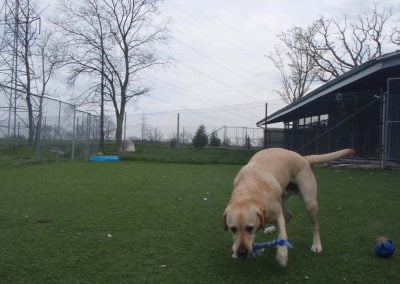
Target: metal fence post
383,129
125,134
265,128
59,122
177,131
87,136
73,136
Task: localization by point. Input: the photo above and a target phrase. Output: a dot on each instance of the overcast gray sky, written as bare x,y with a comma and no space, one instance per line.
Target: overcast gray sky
228,41
219,49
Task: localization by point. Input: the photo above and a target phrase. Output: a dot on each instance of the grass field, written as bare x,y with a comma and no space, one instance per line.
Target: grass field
188,154
148,222
17,152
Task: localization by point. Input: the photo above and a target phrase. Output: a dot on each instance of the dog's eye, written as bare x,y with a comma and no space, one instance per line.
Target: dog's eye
233,229
249,229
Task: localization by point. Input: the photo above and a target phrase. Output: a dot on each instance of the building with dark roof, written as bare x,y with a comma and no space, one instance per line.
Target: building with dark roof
359,109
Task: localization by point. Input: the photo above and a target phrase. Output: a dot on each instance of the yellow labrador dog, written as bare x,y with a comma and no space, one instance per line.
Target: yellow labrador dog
260,190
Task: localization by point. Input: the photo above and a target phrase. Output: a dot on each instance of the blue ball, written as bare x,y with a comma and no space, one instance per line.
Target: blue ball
384,247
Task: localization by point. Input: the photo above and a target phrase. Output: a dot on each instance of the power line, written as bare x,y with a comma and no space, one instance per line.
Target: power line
217,81
184,93
183,109
171,86
218,63
208,110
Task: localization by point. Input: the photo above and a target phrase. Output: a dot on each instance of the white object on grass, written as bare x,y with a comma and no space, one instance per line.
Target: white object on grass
129,146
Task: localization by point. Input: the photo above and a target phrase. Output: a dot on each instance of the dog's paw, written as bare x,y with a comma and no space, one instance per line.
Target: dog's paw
269,230
317,248
282,260
282,256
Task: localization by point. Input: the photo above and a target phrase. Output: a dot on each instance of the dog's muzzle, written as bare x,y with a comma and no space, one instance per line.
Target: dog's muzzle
242,253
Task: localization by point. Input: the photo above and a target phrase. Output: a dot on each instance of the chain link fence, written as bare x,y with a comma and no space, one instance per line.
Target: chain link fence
345,120
391,133
365,120
59,131
164,127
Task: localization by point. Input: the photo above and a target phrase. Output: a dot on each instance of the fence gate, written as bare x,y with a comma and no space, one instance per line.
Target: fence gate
392,122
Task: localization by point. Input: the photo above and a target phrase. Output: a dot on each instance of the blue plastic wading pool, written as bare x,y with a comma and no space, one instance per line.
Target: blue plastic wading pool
104,158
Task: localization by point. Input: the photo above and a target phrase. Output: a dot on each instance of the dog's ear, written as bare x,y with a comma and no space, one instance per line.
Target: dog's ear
224,222
261,216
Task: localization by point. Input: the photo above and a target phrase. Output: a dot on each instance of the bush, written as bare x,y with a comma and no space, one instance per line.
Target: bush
173,142
200,139
214,140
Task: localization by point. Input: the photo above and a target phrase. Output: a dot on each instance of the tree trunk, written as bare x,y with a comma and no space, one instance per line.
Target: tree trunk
120,120
102,98
31,126
118,135
102,119
26,46
38,130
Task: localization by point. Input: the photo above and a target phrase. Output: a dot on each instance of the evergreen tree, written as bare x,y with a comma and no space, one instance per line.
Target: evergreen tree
214,140
200,139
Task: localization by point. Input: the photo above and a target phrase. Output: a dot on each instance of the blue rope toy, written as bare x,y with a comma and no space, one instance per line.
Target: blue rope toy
258,248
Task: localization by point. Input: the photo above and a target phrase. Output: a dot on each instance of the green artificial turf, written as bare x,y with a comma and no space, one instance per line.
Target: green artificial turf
132,222
189,154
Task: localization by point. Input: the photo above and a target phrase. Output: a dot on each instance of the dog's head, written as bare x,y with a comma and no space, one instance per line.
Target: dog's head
243,221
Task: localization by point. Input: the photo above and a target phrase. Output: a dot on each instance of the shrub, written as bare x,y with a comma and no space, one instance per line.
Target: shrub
173,142
200,139
247,143
214,140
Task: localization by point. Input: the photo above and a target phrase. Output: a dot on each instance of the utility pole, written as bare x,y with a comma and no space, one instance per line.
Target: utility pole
15,63
265,127
143,128
73,135
177,131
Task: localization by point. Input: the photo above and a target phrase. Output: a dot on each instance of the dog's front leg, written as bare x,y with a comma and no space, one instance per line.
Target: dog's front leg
282,251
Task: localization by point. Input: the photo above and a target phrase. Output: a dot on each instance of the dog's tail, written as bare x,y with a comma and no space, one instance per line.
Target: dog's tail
318,159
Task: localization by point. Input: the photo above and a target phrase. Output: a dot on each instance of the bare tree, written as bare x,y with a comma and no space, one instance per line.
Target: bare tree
395,36
83,31
50,57
328,48
115,39
395,33
28,14
340,44
295,64
130,24
154,135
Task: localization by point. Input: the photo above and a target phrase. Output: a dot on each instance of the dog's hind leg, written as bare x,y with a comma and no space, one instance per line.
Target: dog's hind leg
290,190
307,184
287,214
